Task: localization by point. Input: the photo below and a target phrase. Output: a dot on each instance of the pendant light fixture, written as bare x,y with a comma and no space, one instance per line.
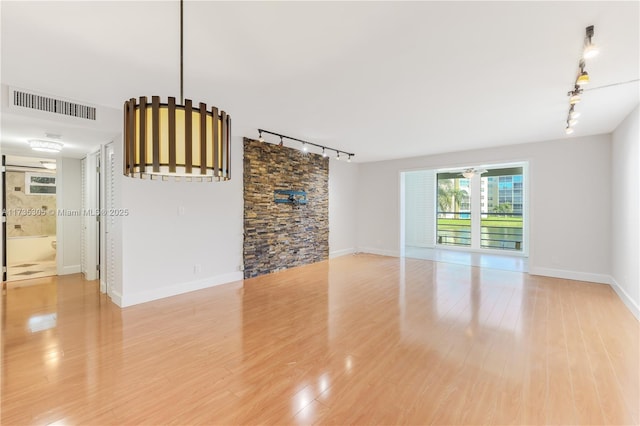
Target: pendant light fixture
180,140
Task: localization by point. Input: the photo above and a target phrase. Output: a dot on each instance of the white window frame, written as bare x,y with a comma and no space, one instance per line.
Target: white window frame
28,184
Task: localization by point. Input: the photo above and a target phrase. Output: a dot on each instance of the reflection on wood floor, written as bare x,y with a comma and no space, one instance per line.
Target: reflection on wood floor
355,340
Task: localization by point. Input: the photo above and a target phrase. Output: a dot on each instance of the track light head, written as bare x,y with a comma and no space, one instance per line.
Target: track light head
324,154
568,130
583,78
281,141
590,49
260,138
304,147
349,158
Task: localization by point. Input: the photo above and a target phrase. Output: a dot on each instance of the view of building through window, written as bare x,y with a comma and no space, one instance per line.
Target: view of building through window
500,207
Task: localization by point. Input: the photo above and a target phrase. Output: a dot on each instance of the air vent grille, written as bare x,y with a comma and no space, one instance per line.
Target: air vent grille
57,106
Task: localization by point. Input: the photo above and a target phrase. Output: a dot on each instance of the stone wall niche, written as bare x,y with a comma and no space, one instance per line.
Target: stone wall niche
278,236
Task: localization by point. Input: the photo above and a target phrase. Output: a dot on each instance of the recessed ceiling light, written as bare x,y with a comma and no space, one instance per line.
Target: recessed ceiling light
51,165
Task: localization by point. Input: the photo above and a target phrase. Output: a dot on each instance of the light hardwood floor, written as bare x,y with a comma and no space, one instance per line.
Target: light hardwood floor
355,340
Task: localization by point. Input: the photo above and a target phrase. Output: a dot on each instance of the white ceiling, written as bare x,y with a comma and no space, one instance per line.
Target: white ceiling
384,80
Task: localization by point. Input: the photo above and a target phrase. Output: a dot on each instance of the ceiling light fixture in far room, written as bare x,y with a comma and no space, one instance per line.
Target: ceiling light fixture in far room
306,145
469,173
179,140
590,49
50,165
45,146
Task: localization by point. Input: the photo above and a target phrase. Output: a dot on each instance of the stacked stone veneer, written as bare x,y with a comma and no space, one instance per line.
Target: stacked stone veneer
280,236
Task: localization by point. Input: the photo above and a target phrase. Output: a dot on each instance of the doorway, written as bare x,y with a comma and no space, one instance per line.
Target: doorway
30,211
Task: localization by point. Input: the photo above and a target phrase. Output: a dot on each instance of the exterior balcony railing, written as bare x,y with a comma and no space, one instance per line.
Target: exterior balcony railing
501,231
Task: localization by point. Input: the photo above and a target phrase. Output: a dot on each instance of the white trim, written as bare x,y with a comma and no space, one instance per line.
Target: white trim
343,252
116,298
71,269
469,249
176,289
626,299
381,252
571,275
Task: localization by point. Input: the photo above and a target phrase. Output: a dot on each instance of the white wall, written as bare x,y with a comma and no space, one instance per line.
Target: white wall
69,226
569,196
343,191
180,236
625,215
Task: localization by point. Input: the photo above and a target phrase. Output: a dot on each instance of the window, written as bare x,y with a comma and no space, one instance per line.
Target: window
454,210
40,183
483,212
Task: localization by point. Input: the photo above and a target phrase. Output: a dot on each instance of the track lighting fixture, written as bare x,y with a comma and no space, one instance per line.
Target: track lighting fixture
590,50
574,95
583,76
306,145
573,114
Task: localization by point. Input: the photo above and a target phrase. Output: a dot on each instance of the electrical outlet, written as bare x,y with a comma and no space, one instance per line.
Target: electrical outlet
197,268
181,211
241,268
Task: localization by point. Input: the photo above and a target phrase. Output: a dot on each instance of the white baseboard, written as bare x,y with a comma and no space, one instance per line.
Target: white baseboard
626,299
343,252
571,275
115,297
176,289
73,269
381,252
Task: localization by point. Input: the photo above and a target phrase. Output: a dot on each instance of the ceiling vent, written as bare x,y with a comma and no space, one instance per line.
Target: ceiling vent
21,98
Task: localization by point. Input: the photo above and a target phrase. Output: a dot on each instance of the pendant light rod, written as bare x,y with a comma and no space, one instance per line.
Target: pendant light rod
181,53
338,151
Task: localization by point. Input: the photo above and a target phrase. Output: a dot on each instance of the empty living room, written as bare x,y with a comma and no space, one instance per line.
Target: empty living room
328,213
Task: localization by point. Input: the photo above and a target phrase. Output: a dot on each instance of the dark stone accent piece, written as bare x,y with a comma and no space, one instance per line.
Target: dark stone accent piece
279,236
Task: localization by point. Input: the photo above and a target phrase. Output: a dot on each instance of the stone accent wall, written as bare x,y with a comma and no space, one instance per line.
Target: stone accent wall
280,236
